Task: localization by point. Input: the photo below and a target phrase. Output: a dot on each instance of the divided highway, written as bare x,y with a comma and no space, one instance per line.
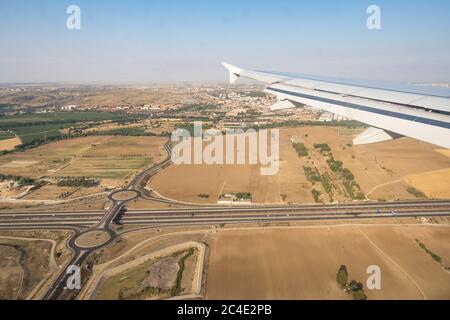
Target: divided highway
219,215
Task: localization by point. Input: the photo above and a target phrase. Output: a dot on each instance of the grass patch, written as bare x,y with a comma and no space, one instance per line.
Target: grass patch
243,196
175,291
4,135
35,133
312,174
316,195
301,149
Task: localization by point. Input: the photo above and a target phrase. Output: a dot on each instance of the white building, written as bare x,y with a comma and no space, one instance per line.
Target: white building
69,107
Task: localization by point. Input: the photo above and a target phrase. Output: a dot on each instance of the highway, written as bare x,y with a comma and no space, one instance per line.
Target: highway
87,221
218,215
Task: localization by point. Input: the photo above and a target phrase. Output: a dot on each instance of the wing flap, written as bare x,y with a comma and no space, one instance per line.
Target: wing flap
374,135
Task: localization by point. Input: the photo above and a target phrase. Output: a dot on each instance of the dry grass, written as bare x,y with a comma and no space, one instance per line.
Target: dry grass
435,184
302,263
9,144
29,260
372,165
100,157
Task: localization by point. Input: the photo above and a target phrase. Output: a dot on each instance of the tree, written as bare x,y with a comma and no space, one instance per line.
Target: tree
355,286
342,276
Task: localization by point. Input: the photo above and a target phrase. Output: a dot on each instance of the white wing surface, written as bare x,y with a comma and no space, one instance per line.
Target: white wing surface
391,109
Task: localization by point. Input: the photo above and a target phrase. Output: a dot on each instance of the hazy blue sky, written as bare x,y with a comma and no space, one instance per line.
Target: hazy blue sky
185,40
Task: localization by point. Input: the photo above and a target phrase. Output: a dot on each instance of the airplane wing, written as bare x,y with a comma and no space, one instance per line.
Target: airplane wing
391,110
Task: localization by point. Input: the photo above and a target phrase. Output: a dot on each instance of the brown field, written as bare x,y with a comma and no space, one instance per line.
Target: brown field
9,144
11,272
92,239
105,157
147,204
29,261
28,264
301,263
112,126
172,271
379,169
435,184
292,260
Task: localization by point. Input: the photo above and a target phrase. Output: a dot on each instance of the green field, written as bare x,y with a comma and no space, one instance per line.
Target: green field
35,128
6,135
105,168
32,133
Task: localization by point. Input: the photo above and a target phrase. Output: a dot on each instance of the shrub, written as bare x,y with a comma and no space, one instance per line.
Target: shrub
316,194
342,276
301,150
359,295
416,193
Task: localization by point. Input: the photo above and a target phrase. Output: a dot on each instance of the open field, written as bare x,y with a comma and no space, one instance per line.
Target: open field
435,184
379,171
297,260
97,202
302,263
112,126
31,127
24,265
115,168
60,117
29,261
154,279
112,159
170,272
97,96
101,157
31,133
53,191
11,273
6,135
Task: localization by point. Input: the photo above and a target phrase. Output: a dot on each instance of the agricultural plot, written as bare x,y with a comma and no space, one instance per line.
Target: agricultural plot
59,117
4,135
102,157
9,144
42,126
302,263
105,168
31,133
